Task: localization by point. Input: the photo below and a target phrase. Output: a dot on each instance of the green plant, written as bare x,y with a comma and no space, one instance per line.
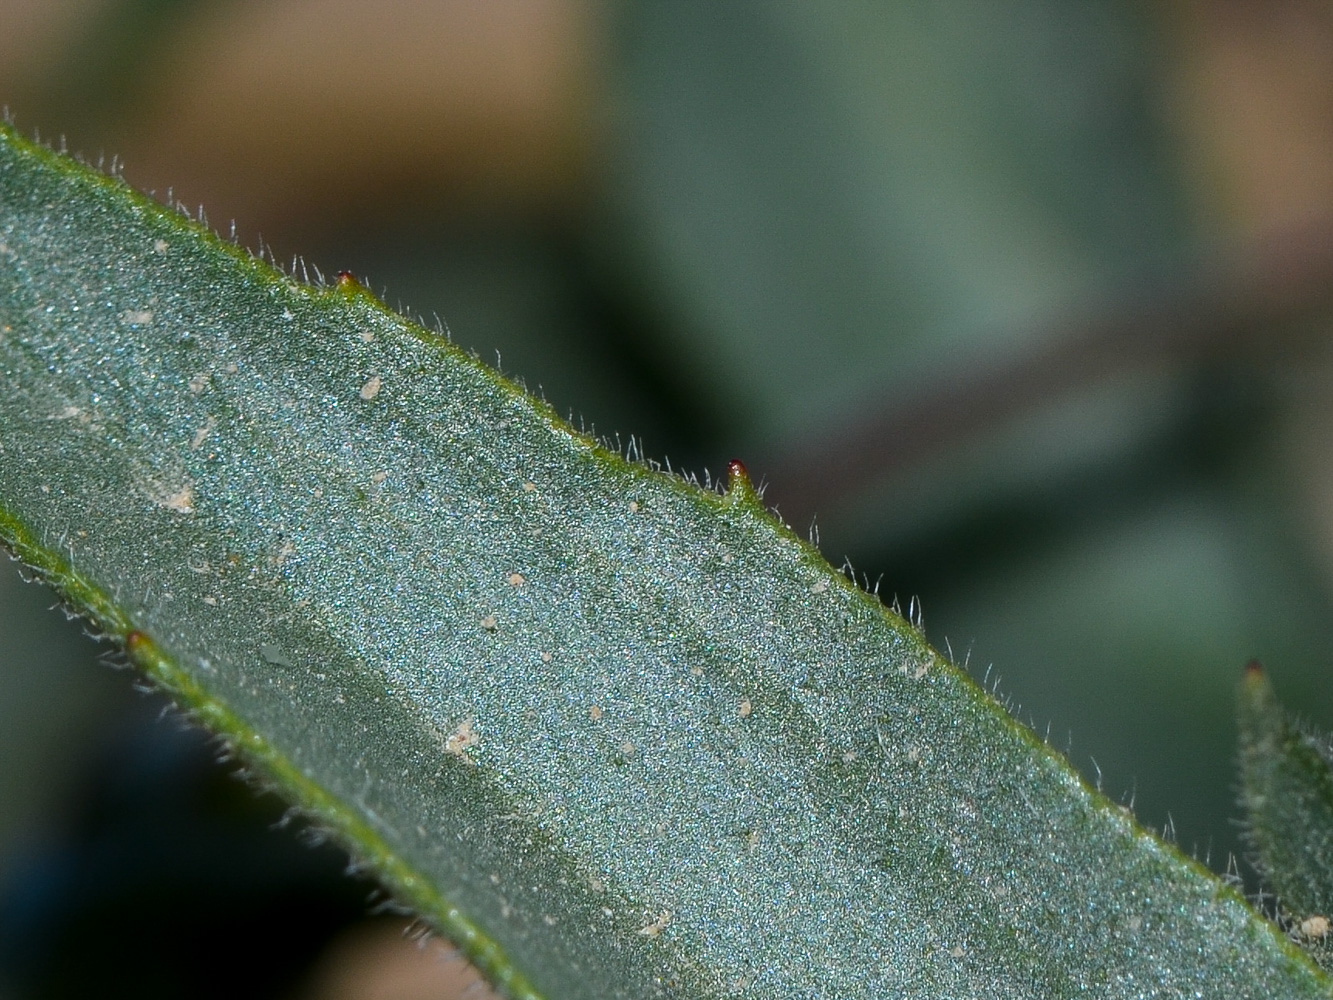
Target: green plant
614,733
1287,791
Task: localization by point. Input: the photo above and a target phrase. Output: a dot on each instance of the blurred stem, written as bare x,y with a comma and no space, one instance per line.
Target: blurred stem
1251,308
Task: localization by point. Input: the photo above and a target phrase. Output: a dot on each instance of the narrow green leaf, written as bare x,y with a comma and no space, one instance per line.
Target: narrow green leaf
1286,774
616,735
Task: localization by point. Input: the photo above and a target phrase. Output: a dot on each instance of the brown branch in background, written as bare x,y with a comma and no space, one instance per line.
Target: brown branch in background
1249,307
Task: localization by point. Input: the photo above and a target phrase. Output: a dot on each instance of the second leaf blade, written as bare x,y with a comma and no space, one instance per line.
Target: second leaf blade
1287,791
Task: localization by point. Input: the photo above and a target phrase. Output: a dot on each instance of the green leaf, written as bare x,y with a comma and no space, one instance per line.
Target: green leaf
1286,774
615,734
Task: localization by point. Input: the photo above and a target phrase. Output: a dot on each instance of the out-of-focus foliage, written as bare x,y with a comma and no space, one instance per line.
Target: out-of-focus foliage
751,230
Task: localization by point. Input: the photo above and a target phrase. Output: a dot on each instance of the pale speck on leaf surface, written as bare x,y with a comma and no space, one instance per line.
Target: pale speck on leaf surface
201,434
657,925
181,501
461,739
1315,927
371,388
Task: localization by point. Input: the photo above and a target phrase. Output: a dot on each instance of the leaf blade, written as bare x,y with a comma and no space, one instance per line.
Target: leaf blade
633,737
1287,793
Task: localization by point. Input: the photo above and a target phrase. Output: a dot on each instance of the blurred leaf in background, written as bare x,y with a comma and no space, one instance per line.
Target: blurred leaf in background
1026,305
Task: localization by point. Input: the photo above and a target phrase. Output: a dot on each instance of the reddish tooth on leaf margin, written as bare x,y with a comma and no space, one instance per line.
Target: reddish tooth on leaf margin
1254,668
347,281
736,472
